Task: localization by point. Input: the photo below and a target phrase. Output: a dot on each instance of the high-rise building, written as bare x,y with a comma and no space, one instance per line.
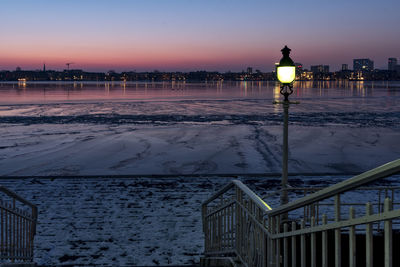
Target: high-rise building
299,68
363,64
392,63
249,70
345,67
320,69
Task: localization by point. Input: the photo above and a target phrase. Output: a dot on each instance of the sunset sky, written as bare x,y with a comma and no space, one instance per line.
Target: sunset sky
183,35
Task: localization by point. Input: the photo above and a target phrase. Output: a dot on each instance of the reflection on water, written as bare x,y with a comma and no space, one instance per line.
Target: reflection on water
22,92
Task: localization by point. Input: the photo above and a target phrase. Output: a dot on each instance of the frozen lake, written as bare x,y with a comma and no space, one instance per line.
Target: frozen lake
71,129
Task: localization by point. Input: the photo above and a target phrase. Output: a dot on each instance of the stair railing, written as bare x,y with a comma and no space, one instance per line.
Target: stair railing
240,225
18,218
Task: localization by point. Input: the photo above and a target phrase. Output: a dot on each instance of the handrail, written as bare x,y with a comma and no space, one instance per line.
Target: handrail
17,197
237,223
257,200
382,171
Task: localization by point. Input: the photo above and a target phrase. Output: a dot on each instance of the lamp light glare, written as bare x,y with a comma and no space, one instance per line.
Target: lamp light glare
286,74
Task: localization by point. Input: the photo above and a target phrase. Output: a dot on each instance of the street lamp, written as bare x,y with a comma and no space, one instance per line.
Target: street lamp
286,73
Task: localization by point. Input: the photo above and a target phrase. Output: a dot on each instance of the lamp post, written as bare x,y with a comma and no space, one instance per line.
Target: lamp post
286,73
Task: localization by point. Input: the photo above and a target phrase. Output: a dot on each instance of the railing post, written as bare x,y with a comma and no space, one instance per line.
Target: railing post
294,257
352,240
265,243
369,242
277,242
271,247
388,235
239,221
313,245
338,239
324,243
285,247
205,230
303,245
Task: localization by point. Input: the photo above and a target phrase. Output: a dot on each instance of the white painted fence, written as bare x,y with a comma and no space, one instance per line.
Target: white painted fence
324,228
17,227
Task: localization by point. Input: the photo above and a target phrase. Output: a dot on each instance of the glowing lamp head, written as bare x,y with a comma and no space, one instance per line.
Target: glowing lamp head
286,70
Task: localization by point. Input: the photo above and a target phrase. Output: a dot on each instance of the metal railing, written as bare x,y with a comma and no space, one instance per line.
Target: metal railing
234,224
319,229
18,219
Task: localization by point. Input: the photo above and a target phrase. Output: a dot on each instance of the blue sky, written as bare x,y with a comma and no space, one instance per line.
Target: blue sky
187,34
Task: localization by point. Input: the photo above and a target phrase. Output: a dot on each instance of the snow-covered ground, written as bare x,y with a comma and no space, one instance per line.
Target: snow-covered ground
123,221
136,221
149,221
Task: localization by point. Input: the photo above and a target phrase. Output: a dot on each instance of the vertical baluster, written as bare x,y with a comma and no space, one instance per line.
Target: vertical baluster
17,244
228,226
34,215
294,258
224,230
203,217
219,231
313,244
352,240
285,247
271,257
212,229
388,235
2,229
20,235
232,223
209,222
13,231
369,244
265,243
248,239
324,243
338,241
6,231
9,230
247,244
238,233
29,238
26,252
303,245
23,237
278,242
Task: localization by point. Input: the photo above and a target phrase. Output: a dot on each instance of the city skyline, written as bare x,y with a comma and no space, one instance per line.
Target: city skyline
187,36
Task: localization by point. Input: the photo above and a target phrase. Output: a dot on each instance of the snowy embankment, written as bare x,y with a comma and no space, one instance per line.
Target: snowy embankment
136,221
127,221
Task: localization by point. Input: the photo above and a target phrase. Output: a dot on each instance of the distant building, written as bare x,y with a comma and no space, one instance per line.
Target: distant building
363,64
299,66
345,67
320,69
249,70
392,63
299,70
